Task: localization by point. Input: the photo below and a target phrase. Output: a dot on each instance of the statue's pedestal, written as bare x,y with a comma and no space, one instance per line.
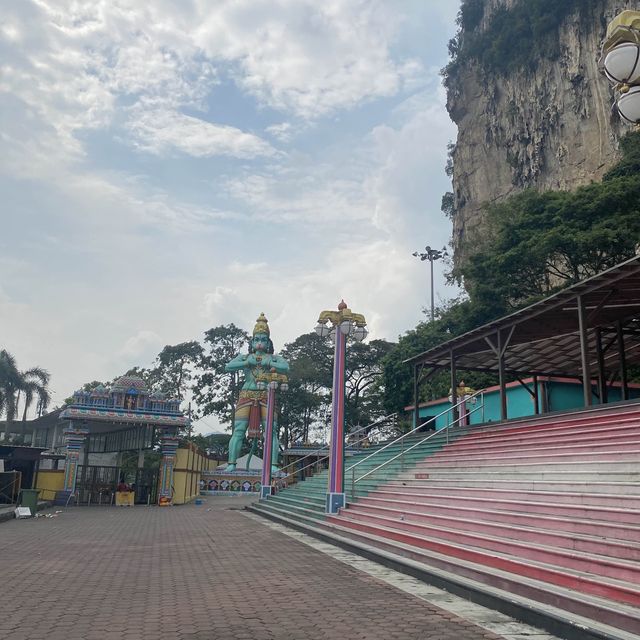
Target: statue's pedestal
238,481
234,482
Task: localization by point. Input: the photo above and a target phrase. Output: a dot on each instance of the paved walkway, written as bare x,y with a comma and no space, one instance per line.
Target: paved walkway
195,573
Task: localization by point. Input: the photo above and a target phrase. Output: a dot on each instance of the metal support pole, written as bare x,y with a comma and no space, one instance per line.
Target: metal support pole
415,396
433,315
501,377
584,352
602,376
624,389
536,396
454,386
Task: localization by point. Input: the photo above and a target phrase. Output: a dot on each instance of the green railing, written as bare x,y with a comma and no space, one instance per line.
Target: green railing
314,454
401,440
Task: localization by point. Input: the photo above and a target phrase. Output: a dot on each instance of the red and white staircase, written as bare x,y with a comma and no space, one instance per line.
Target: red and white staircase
546,510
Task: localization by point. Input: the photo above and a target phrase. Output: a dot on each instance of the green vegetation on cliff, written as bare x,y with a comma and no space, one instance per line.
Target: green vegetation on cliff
515,38
534,244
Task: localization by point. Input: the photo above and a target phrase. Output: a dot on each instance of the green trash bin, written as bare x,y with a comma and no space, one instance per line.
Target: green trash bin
29,498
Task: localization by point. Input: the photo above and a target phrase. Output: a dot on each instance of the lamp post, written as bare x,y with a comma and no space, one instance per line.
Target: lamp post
270,381
343,323
620,63
431,255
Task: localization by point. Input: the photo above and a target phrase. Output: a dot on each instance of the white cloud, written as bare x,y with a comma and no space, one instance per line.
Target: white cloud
282,132
306,57
302,193
143,343
117,252
162,131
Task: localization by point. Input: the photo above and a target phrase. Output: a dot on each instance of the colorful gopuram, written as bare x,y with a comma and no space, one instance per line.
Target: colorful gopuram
124,417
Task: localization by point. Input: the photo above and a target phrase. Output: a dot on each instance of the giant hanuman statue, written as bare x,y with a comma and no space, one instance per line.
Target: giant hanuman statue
251,410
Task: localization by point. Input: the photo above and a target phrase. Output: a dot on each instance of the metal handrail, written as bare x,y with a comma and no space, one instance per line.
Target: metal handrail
326,446
354,481
319,460
431,418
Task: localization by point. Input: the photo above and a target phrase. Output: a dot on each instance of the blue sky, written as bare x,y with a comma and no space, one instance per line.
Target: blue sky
167,167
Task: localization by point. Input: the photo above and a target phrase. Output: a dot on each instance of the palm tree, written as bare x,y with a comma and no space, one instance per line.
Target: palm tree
31,383
9,388
34,383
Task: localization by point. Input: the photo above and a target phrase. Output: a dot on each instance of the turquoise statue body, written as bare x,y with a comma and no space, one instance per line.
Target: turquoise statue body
251,409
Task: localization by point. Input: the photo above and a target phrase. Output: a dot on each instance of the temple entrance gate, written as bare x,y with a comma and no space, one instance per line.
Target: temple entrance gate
96,485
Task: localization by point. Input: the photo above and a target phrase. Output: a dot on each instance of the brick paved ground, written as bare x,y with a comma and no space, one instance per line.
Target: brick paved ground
194,573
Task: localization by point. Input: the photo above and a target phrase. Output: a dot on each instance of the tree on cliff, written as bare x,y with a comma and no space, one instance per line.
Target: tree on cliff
537,243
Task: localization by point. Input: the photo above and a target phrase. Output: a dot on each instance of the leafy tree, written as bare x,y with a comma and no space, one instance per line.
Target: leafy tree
31,384
34,384
310,379
175,365
9,387
516,36
364,382
455,318
538,243
216,444
215,391
306,405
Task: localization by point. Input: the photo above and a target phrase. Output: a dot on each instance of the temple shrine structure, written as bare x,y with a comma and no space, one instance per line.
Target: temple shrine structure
99,426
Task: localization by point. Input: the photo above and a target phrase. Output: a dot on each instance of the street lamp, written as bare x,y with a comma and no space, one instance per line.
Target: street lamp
343,323
270,381
620,63
431,255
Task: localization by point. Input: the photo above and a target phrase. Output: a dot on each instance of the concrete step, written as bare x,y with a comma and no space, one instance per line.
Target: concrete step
293,512
486,502
620,621
554,424
533,547
631,435
622,547
566,521
519,474
302,501
540,455
536,568
631,488
605,464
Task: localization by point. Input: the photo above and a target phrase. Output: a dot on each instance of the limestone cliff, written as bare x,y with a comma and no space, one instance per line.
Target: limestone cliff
546,124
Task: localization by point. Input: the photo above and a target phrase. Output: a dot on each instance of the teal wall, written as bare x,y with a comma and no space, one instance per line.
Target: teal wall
561,396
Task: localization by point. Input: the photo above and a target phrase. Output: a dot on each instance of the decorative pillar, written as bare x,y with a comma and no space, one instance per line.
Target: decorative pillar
169,445
335,496
266,489
345,323
74,439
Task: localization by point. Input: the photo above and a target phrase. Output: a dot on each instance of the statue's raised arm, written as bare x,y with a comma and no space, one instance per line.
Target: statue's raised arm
251,409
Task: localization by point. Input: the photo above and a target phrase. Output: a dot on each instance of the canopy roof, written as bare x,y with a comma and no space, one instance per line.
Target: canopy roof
544,338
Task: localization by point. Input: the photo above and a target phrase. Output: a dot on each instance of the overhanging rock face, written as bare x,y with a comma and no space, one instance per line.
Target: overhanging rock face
546,125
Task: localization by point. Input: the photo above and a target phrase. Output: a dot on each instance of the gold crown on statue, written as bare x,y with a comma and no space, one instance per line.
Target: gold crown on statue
262,325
